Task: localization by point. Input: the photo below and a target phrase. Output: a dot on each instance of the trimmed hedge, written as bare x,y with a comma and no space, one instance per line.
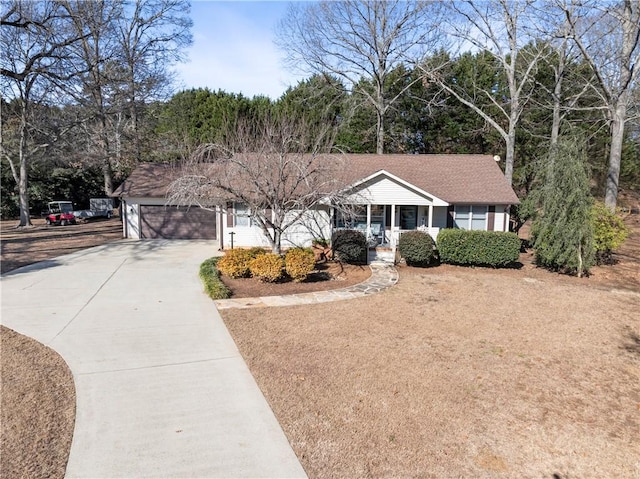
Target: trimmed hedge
210,277
299,263
268,267
481,248
349,246
417,248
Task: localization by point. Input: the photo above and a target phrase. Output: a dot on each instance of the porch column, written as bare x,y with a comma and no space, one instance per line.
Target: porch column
368,217
430,222
393,227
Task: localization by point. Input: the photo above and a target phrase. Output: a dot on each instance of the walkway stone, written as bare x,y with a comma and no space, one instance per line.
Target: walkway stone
383,276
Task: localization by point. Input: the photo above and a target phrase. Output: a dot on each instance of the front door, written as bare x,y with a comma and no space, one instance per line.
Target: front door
408,217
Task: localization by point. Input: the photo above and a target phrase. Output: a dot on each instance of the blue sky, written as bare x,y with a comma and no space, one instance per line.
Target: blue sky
233,48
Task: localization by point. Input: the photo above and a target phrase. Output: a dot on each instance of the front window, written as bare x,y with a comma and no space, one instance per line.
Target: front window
242,214
471,217
356,219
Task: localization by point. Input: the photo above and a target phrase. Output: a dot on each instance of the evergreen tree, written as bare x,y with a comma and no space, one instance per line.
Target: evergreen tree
562,232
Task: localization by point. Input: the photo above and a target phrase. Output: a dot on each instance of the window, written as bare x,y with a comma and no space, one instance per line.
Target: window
408,217
470,217
242,215
357,219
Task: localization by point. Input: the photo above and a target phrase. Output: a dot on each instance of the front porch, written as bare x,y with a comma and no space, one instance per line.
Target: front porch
383,224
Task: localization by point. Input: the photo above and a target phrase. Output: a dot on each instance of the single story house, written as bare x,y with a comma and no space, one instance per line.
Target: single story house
391,194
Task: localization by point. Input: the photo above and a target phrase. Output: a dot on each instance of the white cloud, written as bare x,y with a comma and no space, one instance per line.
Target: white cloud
233,49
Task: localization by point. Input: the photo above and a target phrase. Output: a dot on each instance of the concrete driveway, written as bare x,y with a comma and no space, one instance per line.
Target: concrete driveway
161,388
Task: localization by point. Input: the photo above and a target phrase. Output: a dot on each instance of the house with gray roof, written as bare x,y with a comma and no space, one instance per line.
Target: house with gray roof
390,193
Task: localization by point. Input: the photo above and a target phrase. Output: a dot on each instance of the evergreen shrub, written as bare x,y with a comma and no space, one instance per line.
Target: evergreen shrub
299,263
609,232
417,248
267,267
479,248
210,277
349,246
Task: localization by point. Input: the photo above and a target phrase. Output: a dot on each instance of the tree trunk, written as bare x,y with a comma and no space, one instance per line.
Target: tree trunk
23,183
23,192
276,248
615,155
379,131
557,95
108,177
510,154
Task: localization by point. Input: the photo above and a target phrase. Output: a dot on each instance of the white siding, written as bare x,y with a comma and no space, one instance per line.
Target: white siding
314,224
383,190
501,222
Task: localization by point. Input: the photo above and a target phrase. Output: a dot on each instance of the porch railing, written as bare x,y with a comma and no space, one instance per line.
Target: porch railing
396,232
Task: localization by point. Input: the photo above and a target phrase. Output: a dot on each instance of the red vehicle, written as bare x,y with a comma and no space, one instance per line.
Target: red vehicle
60,213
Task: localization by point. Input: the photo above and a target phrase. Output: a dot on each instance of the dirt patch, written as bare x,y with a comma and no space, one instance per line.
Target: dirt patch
459,372
327,276
38,408
23,246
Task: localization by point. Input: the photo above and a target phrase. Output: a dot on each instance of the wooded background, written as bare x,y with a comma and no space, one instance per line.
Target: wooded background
87,88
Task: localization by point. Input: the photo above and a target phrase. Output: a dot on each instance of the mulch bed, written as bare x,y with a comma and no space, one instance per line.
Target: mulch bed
328,275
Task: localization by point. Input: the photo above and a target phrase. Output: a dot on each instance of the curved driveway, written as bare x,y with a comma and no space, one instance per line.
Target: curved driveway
161,388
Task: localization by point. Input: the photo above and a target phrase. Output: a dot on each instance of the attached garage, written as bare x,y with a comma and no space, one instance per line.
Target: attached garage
147,212
171,222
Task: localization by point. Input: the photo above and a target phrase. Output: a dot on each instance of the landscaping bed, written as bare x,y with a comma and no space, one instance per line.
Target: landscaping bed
328,275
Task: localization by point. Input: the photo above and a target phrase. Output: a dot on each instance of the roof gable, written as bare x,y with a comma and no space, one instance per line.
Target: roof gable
382,187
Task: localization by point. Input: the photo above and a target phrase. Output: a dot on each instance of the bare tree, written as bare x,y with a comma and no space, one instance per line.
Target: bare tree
34,40
572,83
273,167
127,53
97,54
357,40
496,27
608,36
151,39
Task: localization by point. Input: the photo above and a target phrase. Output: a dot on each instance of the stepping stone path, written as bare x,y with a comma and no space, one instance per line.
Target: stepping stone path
382,277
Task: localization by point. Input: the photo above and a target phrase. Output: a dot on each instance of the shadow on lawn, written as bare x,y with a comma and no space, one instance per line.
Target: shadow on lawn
632,342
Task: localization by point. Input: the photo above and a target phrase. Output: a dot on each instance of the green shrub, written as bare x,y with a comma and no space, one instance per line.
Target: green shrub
349,246
267,267
417,248
482,248
609,232
299,263
235,262
210,277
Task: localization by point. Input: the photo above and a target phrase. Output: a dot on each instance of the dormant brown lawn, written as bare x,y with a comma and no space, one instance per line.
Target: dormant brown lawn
456,373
